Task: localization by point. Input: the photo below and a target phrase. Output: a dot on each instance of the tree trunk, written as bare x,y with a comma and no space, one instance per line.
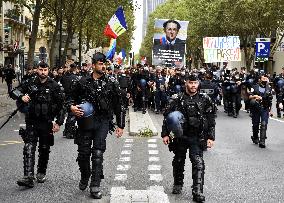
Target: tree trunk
53,42
88,41
33,39
80,45
69,37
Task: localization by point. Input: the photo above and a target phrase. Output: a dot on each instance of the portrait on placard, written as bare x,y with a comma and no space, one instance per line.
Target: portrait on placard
169,42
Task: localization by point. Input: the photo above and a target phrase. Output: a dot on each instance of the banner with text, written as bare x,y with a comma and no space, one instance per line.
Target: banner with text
221,49
169,43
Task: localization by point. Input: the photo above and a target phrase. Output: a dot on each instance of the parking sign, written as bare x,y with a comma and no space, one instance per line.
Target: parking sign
262,49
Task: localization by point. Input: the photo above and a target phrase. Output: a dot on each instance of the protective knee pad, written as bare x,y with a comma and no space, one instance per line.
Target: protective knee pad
84,155
197,162
97,156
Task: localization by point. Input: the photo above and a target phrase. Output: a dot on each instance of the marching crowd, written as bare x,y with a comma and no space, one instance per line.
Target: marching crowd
90,96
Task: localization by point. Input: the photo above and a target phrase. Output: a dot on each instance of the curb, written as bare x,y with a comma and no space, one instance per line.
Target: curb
139,121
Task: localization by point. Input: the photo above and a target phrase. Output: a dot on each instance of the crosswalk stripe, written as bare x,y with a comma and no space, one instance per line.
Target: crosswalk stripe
120,177
152,152
123,167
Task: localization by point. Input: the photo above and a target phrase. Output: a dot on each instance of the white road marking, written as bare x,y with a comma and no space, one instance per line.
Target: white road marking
3,144
156,177
14,142
126,152
154,194
120,177
16,130
151,152
128,140
152,145
22,125
154,159
128,145
152,140
154,167
123,167
124,159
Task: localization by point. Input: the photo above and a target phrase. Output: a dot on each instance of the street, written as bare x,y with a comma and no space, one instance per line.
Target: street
236,170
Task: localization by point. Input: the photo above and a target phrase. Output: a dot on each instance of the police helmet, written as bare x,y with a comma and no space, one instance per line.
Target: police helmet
280,83
177,89
174,122
143,83
88,109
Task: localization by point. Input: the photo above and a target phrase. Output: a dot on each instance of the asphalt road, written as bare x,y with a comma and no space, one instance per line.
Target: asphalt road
236,170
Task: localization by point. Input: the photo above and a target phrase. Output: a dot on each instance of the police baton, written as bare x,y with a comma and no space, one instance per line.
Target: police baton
11,115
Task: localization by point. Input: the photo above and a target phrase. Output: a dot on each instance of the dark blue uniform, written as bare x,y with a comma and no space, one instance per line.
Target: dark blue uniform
260,112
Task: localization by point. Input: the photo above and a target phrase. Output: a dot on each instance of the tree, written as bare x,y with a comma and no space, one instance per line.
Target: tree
247,19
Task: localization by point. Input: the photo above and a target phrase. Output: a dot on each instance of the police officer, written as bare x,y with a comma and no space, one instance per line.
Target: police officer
160,91
44,99
278,84
125,84
187,117
261,102
9,74
208,87
99,97
67,80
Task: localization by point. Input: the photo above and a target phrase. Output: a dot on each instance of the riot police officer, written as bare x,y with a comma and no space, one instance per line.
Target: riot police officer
261,102
278,84
43,100
187,117
67,80
99,99
125,84
208,87
160,91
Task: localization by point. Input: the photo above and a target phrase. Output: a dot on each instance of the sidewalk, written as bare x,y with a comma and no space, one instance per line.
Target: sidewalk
7,105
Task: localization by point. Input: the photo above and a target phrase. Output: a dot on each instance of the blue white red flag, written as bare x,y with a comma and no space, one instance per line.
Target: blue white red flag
117,24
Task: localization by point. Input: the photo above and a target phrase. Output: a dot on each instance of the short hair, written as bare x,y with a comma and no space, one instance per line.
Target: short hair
171,21
42,65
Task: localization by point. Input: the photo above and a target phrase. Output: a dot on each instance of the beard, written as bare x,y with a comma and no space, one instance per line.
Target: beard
42,76
100,72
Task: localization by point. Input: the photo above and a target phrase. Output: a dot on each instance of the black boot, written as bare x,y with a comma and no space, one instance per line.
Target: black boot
254,137
178,169
43,157
85,169
278,113
29,162
234,110
198,168
262,135
97,167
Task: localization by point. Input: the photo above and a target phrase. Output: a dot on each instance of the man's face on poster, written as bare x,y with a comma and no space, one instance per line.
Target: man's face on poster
171,31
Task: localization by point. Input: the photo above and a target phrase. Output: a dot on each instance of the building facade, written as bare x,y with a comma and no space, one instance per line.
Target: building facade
148,7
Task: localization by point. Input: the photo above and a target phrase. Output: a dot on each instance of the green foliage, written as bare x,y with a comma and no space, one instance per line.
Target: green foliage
145,132
244,18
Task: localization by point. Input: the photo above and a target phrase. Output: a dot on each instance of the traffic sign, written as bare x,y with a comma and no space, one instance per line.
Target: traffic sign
262,49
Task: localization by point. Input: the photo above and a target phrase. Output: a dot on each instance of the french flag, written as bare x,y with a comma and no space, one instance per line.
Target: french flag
117,24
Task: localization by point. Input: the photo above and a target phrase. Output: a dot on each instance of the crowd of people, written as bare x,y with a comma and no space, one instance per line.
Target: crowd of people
91,95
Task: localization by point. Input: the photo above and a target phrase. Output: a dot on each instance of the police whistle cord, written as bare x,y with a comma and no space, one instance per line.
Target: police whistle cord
11,116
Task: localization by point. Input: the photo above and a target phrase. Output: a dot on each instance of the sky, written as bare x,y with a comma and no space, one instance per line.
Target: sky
138,13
